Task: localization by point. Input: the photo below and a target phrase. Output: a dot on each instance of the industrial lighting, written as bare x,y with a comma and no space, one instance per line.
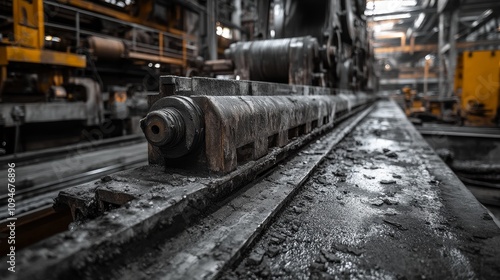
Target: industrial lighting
419,20
52,39
392,17
120,4
237,77
224,32
484,15
383,26
272,33
428,57
387,67
157,65
150,64
393,5
389,34
380,7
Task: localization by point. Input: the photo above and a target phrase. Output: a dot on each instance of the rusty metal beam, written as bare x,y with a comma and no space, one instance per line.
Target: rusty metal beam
407,49
434,47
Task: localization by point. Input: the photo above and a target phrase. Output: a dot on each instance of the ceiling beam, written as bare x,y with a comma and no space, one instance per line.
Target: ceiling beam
434,47
406,49
400,12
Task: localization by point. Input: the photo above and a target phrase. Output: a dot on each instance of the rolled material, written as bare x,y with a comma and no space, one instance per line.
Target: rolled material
105,48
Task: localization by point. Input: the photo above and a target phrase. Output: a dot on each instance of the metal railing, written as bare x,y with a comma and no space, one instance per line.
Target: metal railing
187,44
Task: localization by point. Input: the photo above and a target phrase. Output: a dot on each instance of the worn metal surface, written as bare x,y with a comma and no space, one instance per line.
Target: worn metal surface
166,202
175,126
91,200
343,54
47,112
236,129
190,131
174,85
383,206
289,60
77,166
218,133
28,158
219,239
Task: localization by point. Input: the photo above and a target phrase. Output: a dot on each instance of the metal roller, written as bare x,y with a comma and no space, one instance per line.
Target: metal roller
270,59
218,133
174,125
289,60
105,48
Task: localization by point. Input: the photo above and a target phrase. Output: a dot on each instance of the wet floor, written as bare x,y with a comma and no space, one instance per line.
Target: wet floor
381,206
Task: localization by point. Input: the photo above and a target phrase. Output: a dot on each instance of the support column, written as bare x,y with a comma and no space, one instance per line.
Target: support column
447,52
441,55
452,52
262,23
426,76
211,35
236,19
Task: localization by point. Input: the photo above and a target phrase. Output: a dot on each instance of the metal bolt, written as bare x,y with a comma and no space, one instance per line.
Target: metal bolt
164,127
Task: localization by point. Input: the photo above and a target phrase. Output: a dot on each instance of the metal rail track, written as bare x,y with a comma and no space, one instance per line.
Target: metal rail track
73,180
460,131
34,210
44,221
28,158
43,190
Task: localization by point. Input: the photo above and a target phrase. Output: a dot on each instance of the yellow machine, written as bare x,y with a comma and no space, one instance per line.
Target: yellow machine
477,84
84,63
30,42
413,103
27,43
477,93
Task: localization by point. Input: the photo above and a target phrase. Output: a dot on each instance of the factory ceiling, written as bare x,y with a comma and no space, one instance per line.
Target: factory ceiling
408,30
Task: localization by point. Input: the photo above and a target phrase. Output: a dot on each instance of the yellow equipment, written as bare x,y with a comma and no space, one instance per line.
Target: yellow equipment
413,102
85,63
477,84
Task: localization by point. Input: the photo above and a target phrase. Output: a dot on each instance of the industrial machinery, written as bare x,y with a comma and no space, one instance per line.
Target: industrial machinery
215,131
323,43
228,157
476,93
84,64
477,84
195,128
293,83
223,132
290,85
